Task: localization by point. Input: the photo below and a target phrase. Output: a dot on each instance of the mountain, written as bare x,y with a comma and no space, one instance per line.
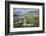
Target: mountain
21,12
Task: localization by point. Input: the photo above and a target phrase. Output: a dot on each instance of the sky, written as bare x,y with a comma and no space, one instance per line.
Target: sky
20,11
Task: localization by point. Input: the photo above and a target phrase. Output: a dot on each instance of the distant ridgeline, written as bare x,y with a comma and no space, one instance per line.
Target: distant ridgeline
33,13
29,12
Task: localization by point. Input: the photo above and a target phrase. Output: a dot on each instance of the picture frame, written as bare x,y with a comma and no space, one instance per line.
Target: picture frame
23,6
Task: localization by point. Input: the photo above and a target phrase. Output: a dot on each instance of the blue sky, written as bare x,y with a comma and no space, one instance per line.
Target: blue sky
20,11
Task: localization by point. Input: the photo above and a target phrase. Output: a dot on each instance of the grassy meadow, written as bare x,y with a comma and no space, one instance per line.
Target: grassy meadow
29,20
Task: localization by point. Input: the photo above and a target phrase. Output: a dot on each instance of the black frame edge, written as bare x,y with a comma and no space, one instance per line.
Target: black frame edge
6,18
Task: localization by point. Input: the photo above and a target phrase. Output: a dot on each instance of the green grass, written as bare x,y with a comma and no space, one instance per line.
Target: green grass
29,20
33,20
